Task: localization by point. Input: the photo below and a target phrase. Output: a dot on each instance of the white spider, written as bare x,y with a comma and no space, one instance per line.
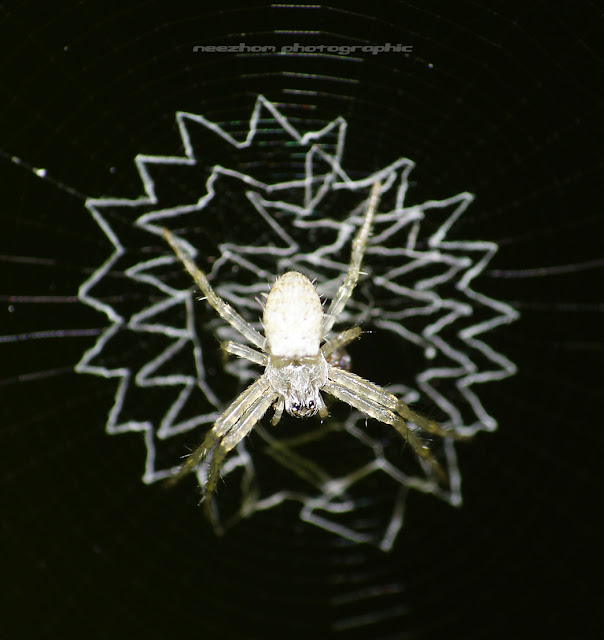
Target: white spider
296,363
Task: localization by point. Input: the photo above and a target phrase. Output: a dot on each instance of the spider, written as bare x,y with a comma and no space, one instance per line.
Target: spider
296,355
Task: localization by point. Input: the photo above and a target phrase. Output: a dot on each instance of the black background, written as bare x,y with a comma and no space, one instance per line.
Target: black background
502,99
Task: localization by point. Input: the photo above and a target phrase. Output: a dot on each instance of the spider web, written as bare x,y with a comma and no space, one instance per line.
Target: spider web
417,294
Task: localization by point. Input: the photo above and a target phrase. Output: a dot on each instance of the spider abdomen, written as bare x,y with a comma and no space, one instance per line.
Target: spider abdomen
293,317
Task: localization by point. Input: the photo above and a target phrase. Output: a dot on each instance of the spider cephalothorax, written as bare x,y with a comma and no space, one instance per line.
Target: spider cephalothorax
296,355
299,383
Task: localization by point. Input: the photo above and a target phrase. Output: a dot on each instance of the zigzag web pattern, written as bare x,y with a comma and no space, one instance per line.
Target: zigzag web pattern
419,294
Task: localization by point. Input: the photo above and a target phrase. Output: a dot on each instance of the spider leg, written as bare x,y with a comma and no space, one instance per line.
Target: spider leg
356,258
341,340
363,387
379,412
223,425
278,412
237,433
323,411
224,310
243,351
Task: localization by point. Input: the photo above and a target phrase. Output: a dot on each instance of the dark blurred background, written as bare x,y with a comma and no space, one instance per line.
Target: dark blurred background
503,100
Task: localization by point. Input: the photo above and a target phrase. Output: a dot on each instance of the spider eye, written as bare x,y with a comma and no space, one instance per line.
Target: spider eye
296,406
311,404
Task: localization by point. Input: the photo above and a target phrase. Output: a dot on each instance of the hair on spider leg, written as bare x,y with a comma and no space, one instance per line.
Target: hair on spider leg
261,303
170,482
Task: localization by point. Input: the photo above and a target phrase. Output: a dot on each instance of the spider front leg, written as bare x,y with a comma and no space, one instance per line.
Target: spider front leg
377,394
374,410
237,433
223,425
